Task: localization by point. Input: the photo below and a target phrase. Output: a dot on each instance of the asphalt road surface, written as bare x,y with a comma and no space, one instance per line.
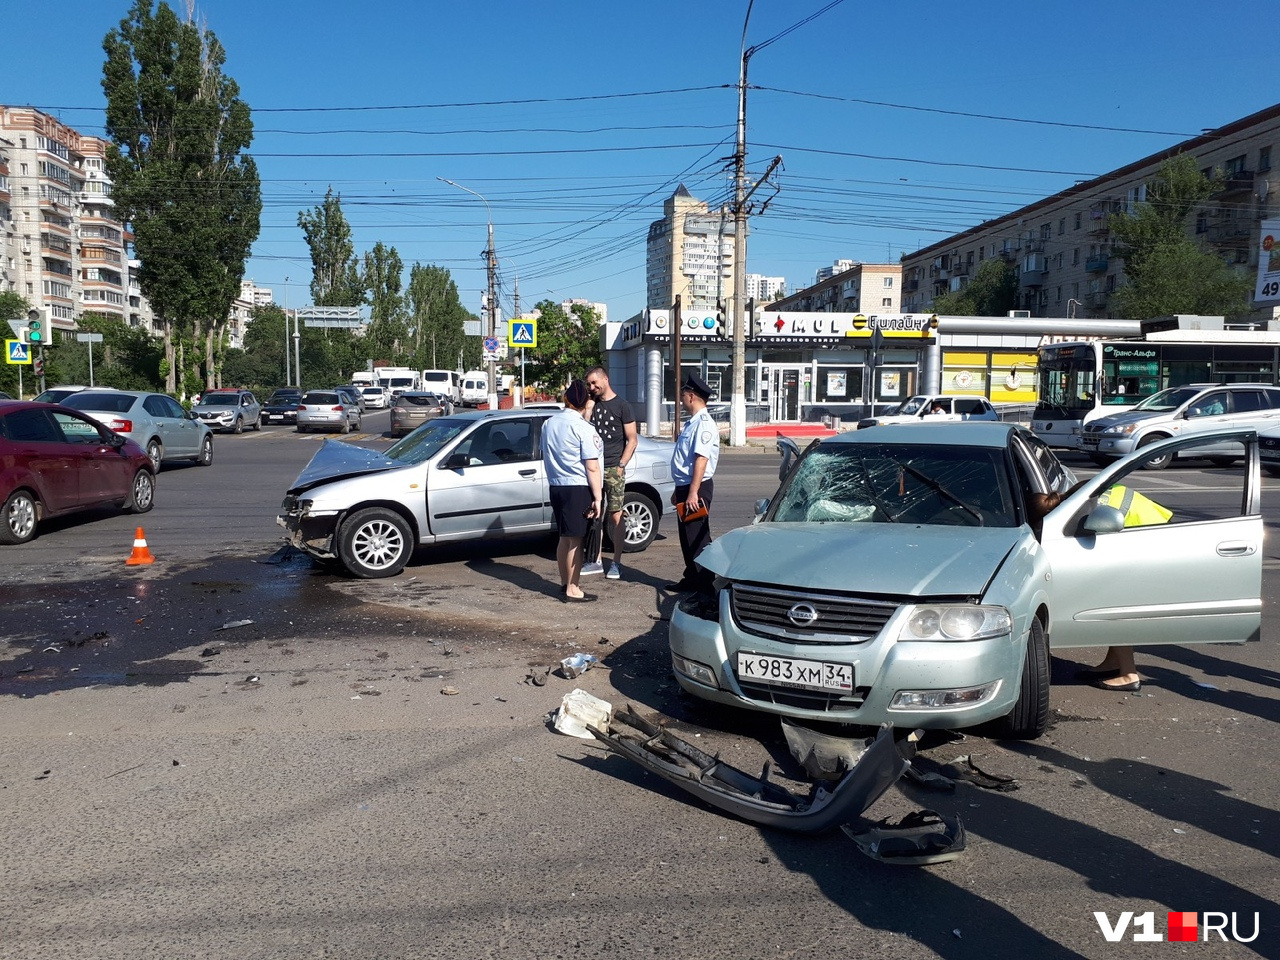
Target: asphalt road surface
365,769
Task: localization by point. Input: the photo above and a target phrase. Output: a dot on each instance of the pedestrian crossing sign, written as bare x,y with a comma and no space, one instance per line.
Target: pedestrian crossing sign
522,333
15,351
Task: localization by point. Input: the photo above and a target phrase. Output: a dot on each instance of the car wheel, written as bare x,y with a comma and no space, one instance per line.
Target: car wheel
301,428
205,457
346,426
239,426
359,422
257,424
1030,715
1155,463
1223,461
19,524
640,517
374,543
142,494
155,452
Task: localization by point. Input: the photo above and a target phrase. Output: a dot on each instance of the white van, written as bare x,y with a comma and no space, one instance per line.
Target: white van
444,383
475,388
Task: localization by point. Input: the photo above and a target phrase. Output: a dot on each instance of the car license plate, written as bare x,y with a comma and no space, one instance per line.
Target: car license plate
790,672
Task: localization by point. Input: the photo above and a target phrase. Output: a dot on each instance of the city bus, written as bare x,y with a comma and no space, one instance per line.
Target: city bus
1086,379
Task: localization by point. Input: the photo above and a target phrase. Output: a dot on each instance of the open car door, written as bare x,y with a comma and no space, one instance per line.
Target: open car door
1164,560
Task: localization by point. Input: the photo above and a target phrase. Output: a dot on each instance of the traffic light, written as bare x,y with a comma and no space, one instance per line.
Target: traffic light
35,326
721,332
37,367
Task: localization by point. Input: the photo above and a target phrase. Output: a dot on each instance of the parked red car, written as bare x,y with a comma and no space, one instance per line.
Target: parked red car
54,461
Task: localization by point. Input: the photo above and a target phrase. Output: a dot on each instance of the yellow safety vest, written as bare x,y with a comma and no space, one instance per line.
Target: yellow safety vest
1138,510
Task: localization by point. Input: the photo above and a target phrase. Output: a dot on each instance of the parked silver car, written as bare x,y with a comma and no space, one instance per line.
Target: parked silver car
328,410
470,476
155,421
1183,411
904,575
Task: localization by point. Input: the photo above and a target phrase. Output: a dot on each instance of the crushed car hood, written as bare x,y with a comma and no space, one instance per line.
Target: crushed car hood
882,558
336,460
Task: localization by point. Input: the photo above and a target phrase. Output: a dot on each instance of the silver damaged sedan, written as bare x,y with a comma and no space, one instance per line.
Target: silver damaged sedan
910,574
469,476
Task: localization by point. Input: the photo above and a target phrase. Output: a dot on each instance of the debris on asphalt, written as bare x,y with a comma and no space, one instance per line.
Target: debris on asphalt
210,652
574,666
920,838
580,712
449,691
823,756
538,676
233,624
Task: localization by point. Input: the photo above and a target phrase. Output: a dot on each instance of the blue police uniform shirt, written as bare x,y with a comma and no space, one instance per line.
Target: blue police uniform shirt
567,441
700,437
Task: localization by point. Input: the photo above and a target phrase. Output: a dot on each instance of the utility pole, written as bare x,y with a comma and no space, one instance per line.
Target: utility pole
491,265
738,396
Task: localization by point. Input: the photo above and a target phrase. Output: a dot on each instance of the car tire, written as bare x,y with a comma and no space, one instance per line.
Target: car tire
257,424
374,543
1029,717
359,422
301,428
142,492
1223,461
1155,463
19,521
640,518
239,425
205,457
155,451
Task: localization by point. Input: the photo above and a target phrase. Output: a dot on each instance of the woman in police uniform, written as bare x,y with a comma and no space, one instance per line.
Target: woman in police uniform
693,464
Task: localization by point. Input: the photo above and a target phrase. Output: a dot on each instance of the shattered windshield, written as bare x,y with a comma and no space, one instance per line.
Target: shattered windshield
898,483
426,441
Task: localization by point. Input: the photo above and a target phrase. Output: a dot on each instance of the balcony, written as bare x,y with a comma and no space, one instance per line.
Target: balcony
911,285
1097,264
1229,233
1241,181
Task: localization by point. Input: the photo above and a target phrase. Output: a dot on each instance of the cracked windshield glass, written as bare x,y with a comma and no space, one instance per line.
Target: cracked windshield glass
899,484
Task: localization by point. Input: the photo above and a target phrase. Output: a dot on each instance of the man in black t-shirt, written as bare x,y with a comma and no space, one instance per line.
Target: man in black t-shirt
616,423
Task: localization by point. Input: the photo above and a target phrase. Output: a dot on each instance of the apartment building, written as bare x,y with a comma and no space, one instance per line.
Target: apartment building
1062,248
859,288
826,273
764,289
61,246
689,253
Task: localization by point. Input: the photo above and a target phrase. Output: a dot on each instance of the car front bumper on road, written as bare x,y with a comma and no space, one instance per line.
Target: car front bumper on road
1106,445
980,676
312,533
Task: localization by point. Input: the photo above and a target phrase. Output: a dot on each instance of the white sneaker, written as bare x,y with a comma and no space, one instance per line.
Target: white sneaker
615,572
591,569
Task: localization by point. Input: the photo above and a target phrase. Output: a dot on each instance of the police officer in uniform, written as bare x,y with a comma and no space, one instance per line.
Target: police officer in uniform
693,464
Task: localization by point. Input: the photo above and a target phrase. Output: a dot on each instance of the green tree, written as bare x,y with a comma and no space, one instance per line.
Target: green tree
14,307
182,182
568,345
436,318
383,278
992,292
1166,270
335,276
127,358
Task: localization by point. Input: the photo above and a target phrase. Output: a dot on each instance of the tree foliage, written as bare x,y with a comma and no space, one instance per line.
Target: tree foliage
1166,271
383,278
191,197
436,318
335,275
992,292
568,345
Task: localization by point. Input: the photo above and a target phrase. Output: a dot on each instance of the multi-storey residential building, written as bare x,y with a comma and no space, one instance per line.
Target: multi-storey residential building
860,288
764,289
254,294
1062,247
63,248
690,254
826,273
601,310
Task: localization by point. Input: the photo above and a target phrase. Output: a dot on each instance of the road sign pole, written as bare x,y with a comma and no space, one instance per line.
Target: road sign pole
42,386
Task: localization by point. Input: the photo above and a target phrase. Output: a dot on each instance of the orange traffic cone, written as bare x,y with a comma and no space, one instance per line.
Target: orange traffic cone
141,552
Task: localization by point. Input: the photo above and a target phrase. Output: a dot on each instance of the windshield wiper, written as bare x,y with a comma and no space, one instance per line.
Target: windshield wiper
871,493
943,491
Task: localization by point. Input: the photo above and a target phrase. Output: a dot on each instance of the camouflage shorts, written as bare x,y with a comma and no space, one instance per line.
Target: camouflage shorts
615,488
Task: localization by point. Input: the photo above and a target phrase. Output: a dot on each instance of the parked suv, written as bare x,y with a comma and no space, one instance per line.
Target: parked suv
1181,411
229,411
940,407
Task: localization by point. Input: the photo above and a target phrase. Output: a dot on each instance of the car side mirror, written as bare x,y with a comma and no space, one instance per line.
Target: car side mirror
1104,519
457,461
761,506
192,415
116,441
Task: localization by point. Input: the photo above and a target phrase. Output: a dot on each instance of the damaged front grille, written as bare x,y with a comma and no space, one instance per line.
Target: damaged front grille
804,699
803,617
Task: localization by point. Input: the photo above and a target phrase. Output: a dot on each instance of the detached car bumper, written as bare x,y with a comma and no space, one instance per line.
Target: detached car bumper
979,675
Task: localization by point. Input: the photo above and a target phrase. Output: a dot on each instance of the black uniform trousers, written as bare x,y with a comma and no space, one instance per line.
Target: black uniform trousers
694,536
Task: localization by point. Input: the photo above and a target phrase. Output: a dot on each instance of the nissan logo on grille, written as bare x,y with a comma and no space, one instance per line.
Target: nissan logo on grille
802,614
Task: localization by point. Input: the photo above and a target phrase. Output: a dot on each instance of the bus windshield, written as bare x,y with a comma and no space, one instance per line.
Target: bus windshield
1066,384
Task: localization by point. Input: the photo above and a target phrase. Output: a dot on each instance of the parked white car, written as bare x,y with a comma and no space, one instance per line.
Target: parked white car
375,398
936,408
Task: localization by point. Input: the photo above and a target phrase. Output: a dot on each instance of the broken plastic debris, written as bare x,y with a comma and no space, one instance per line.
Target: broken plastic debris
576,665
580,712
919,838
1204,686
232,624
449,691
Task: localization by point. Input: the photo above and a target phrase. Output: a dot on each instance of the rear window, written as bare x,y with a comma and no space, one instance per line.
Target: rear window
416,401
100,402
319,398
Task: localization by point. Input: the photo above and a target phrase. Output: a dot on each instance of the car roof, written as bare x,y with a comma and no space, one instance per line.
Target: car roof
974,433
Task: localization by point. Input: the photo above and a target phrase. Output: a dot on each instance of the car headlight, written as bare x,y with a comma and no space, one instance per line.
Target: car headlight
1120,430
968,621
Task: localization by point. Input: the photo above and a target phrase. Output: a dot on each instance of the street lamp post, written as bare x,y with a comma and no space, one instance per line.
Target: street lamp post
286,331
491,263
738,398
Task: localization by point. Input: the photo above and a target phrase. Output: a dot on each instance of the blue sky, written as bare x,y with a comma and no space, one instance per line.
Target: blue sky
866,105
